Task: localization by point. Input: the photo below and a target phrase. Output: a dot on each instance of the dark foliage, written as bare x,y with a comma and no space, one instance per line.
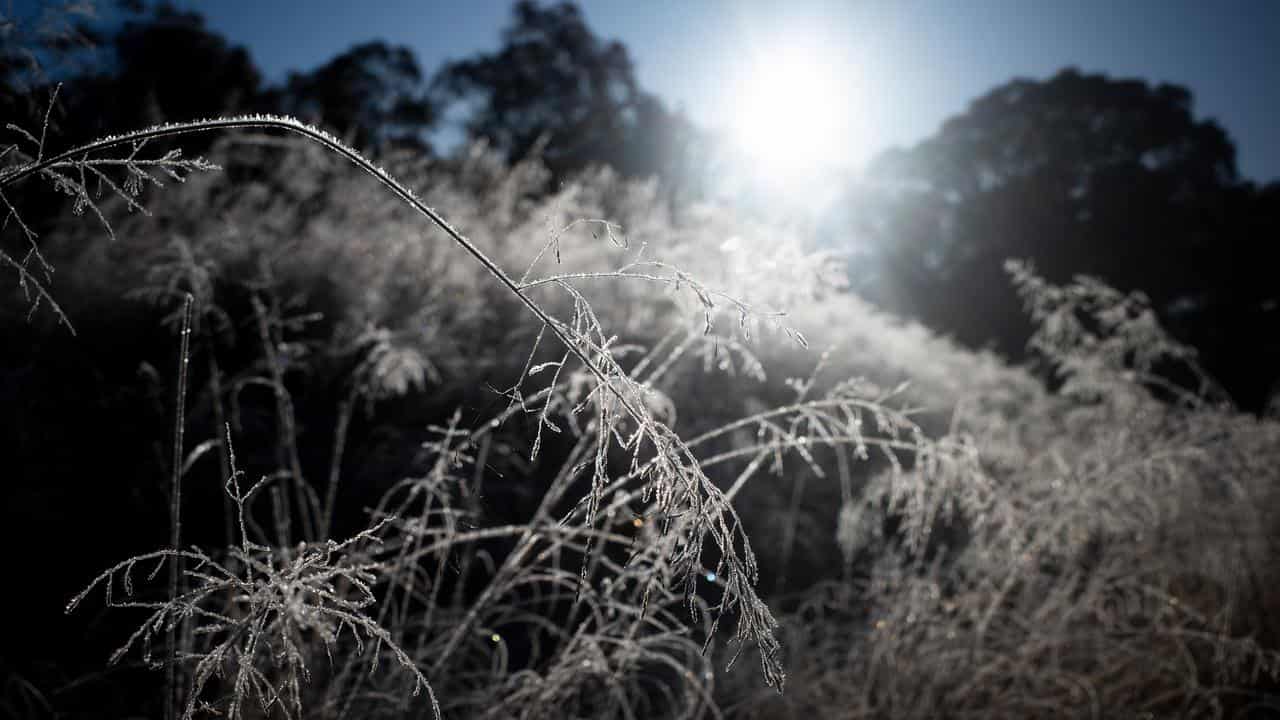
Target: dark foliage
374,94
556,87
1082,174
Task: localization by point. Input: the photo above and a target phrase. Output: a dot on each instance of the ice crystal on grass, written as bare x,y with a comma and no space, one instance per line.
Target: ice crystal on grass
257,614
87,178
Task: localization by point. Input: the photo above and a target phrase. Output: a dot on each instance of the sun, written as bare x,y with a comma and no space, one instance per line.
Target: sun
790,111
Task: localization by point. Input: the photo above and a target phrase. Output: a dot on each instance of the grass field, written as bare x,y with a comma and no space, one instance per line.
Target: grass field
415,439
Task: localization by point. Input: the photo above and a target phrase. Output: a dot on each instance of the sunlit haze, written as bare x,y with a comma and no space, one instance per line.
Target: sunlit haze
791,110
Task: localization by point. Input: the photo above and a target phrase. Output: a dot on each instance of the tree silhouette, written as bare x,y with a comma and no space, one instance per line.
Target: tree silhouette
1080,174
373,93
555,81
167,67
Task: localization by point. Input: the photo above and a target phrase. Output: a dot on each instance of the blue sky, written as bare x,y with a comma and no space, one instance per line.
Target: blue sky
906,66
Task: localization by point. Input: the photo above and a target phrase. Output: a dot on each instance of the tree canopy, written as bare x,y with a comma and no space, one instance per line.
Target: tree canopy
373,93
554,81
1080,174
149,77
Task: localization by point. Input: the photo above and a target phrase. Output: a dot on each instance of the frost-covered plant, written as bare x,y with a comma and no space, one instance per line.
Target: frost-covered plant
258,615
1107,554
1005,550
85,176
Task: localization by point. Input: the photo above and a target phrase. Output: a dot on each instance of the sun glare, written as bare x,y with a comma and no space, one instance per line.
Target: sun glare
791,111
